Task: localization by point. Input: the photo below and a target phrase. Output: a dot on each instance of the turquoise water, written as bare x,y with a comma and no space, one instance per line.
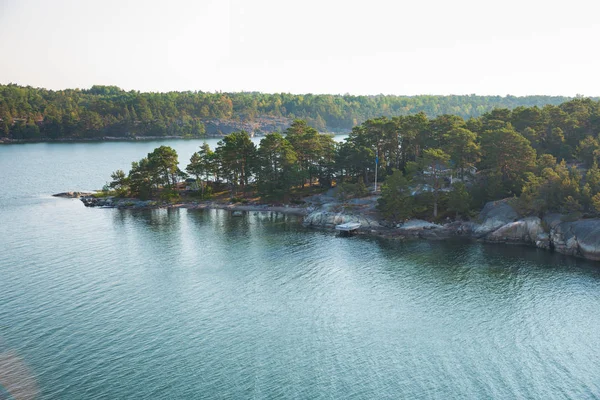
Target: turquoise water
176,304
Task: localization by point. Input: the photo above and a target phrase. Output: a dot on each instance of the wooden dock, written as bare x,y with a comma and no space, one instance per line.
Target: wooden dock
348,228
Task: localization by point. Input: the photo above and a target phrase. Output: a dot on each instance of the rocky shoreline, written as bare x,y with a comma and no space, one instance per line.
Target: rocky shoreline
89,200
498,222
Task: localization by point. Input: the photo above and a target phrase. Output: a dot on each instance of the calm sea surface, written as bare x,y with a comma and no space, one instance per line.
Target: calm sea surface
177,304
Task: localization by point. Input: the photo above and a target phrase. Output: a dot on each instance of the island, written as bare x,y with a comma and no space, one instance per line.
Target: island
526,176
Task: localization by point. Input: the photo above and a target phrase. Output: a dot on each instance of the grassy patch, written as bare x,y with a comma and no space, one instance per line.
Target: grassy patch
103,194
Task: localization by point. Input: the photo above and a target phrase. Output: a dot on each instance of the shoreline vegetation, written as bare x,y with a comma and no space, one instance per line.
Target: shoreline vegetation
527,175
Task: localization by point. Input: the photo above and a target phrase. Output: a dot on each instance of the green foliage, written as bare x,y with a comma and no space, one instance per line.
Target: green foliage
588,150
586,197
545,161
205,192
170,196
459,200
571,205
532,200
163,164
237,156
592,177
361,188
490,157
195,167
435,167
120,183
596,202
105,192
315,153
158,169
556,189
462,149
508,156
141,179
277,166
347,190
111,111
396,202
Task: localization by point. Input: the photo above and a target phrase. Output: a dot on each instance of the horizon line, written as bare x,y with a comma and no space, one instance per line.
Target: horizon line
578,95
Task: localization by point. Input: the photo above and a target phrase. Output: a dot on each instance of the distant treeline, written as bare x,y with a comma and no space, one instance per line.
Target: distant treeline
40,114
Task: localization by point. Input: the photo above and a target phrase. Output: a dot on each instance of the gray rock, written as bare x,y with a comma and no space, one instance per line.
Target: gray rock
578,238
91,201
499,224
494,215
330,207
587,233
326,219
142,203
72,195
552,220
418,224
427,230
463,228
542,241
525,231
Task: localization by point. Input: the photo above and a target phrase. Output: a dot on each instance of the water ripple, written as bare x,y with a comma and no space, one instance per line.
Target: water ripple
186,304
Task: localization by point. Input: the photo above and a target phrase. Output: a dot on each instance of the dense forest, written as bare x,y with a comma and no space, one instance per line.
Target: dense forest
107,111
545,159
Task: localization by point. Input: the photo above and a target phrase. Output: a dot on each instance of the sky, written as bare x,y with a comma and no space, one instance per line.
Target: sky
516,47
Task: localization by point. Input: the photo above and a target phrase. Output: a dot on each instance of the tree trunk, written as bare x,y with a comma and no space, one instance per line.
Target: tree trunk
436,185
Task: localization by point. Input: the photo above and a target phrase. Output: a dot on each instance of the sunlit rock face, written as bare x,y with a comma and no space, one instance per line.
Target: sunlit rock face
528,230
493,216
498,222
577,238
328,219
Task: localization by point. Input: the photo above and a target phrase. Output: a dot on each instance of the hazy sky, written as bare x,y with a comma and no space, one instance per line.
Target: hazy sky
516,47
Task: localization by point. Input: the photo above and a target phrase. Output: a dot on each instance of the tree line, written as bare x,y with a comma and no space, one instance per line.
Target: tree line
41,114
303,157
545,159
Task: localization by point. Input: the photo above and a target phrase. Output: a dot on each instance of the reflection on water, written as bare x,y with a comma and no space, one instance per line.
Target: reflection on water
171,303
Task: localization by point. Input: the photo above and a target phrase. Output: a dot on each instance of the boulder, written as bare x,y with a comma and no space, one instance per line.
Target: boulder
494,215
418,224
462,228
91,201
426,230
578,238
524,231
552,220
326,219
587,234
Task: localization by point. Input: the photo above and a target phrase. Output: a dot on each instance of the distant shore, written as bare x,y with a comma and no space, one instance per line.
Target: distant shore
124,139
105,139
